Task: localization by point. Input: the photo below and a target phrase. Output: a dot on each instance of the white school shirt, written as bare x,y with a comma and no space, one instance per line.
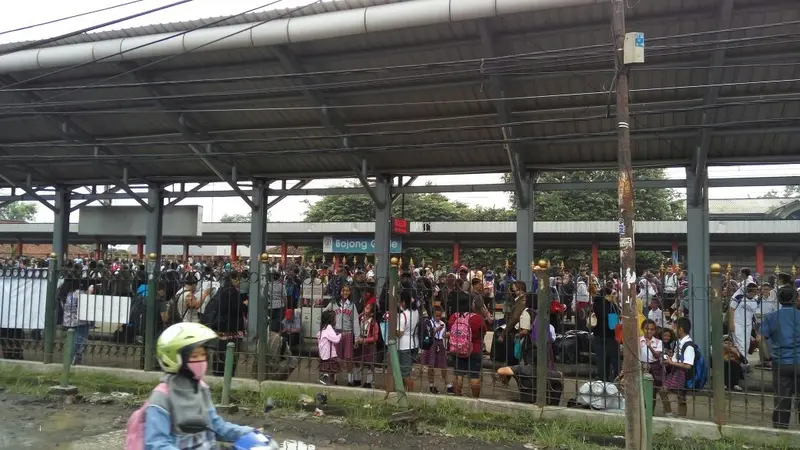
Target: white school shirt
645,355
688,355
406,322
656,316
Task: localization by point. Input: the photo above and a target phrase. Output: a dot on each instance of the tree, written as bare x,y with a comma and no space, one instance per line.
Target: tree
413,207
788,191
238,218
650,204
19,211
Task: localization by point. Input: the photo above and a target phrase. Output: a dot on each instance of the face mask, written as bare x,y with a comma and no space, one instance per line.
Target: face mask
198,369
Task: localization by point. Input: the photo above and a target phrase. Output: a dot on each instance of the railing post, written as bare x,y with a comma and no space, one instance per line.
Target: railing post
647,388
227,378
542,322
51,308
717,359
151,312
64,388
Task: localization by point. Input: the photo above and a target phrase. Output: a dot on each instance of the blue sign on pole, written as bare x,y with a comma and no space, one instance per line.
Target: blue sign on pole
357,244
638,40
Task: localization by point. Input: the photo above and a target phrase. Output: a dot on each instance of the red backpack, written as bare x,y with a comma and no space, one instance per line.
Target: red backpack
461,336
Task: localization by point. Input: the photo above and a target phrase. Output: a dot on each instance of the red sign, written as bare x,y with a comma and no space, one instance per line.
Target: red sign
400,226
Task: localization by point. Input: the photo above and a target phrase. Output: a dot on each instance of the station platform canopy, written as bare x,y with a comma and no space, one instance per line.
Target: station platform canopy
383,87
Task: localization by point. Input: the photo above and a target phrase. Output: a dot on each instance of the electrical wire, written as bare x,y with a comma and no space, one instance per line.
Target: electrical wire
166,38
400,67
416,131
75,16
39,43
306,86
392,105
684,130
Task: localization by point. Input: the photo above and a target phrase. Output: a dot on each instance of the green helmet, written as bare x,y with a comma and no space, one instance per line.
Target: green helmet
175,339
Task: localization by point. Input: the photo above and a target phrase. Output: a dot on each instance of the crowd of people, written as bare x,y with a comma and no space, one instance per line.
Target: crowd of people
444,314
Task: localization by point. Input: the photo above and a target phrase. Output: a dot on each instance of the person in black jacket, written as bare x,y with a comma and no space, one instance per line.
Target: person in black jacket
225,314
606,348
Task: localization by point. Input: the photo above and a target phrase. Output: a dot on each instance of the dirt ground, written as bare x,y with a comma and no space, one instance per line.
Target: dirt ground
34,423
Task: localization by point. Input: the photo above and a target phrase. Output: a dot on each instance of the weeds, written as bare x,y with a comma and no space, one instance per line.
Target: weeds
443,418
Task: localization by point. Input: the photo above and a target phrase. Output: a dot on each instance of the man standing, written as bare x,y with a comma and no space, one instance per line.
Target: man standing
780,343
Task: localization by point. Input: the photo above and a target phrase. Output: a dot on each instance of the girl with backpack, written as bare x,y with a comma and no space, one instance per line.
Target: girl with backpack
327,340
346,323
435,357
180,413
466,330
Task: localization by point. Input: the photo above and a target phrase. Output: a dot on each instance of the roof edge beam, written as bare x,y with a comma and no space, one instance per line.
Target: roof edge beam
94,197
203,157
401,184
700,164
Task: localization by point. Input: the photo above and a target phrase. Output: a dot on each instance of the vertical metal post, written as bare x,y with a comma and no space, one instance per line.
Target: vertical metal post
228,375
697,237
51,308
257,331
61,223
525,233
717,367
634,436
383,219
155,228
542,330
647,392
69,345
394,358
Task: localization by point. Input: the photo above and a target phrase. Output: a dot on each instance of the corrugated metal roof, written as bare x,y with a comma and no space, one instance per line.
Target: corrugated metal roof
440,117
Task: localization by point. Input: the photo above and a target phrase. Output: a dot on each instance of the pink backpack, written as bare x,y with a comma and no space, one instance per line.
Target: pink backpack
134,431
461,336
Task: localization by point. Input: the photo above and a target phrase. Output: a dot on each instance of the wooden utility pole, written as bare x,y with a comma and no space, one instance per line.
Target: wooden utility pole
631,368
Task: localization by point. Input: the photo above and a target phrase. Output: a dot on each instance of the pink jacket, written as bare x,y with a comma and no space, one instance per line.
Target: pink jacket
326,340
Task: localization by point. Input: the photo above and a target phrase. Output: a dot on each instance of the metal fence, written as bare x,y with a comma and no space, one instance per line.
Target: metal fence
274,320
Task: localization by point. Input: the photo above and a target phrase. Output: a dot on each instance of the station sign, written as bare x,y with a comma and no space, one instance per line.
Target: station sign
357,244
400,226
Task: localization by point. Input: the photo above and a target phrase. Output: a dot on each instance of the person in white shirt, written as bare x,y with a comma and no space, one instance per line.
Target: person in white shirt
670,287
744,305
407,345
655,314
651,349
678,366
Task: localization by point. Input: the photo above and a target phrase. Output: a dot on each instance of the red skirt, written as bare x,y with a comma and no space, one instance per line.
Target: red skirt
675,380
344,349
436,356
656,369
330,366
365,353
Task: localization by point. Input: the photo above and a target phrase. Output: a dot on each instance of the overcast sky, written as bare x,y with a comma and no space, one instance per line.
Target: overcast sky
20,14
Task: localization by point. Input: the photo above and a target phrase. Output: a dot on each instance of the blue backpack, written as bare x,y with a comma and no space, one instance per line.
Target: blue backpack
697,376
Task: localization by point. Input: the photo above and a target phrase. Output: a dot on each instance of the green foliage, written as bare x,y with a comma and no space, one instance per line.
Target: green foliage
21,211
788,191
417,208
649,204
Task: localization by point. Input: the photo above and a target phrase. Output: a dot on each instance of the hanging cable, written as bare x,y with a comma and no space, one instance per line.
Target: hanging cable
280,16
74,16
36,44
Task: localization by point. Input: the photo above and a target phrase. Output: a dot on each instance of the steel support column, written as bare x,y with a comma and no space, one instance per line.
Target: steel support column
257,320
155,229
383,219
61,224
525,232
698,256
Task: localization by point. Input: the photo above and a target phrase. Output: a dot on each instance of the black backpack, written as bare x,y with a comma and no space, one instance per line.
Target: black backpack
210,316
427,333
